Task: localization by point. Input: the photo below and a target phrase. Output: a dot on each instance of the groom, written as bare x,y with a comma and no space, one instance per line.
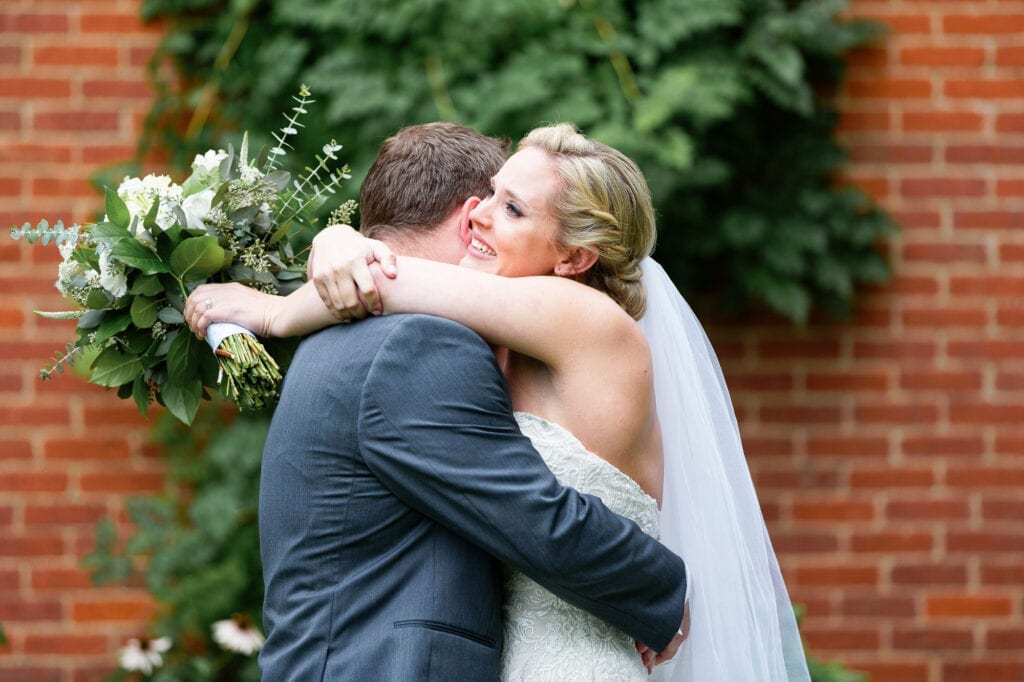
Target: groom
395,481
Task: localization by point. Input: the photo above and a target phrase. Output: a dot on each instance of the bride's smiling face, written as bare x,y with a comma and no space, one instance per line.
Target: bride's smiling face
514,230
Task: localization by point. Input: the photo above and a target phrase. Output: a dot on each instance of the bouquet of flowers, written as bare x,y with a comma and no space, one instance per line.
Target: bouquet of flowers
233,220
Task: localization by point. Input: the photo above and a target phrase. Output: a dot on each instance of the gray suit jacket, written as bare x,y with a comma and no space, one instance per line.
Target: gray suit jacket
394,482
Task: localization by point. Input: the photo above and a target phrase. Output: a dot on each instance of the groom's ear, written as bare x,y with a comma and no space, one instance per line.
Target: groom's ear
575,262
464,211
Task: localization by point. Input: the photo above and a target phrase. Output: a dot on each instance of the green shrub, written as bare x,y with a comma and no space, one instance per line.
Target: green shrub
723,103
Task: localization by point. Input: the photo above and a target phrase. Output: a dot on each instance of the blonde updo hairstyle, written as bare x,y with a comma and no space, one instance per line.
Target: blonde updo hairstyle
604,206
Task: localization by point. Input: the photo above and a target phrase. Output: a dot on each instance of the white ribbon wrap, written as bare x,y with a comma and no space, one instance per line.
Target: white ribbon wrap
218,331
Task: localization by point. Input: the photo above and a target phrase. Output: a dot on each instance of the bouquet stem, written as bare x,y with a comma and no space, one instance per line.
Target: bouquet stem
249,375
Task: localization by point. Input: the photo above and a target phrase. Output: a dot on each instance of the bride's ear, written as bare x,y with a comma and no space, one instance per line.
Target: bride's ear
467,206
575,262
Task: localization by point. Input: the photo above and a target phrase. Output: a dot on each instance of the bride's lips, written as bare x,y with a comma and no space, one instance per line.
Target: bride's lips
479,248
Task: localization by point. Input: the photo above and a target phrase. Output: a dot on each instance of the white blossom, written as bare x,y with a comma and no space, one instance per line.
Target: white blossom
238,634
197,207
139,195
251,175
112,276
209,163
144,655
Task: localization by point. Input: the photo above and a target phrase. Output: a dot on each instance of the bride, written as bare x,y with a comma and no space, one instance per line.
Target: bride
637,414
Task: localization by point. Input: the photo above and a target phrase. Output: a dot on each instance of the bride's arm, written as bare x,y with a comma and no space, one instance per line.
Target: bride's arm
300,313
552,319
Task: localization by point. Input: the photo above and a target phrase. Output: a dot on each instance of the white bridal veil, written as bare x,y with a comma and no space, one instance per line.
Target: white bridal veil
743,627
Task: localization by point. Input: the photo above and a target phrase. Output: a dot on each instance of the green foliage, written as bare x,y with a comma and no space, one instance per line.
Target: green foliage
723,103
196,546
231,220
44,234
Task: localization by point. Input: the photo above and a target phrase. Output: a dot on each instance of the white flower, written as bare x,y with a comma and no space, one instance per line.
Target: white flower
145,655
139,195
197,207
209,163
112,276
238,634
251,175
205,171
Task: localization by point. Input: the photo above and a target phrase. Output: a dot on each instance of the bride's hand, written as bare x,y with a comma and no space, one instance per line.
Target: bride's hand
677,641
338,266
231,302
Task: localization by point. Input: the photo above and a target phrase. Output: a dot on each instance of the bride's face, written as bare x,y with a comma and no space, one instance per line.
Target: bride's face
513,229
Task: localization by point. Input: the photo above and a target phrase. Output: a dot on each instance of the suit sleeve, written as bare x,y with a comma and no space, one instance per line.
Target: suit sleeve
436,427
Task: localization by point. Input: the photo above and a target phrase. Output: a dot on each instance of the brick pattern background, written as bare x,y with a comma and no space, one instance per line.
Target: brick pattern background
888,452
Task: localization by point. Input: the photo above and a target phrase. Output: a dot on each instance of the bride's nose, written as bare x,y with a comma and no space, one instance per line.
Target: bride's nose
480,215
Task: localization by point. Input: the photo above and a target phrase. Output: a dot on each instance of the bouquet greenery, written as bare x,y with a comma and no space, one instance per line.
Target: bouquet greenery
234,219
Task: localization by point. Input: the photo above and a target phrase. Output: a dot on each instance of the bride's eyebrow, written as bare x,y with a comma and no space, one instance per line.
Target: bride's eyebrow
523,205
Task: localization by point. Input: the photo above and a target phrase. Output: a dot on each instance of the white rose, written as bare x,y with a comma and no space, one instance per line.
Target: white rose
197,207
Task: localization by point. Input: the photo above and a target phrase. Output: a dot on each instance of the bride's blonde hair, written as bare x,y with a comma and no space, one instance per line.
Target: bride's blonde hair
603,206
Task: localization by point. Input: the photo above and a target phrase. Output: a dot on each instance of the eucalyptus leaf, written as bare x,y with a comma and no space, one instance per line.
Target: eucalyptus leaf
278,179
91,319
170,315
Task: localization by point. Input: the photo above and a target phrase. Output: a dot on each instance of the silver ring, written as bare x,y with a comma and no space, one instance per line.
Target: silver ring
209,303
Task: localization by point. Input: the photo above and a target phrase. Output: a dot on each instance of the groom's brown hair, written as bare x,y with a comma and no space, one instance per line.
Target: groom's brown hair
424,172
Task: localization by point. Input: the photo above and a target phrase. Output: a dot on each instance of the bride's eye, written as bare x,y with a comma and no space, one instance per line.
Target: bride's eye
513,210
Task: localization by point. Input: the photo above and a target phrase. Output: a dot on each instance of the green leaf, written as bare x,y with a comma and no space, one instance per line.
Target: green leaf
146,285
117,212
170,315
112,325
108,233
144,311
182,396
113,368
197,258
98,299
136,254
183,355
140,393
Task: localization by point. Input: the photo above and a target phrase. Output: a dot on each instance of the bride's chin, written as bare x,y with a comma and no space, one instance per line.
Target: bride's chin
471,261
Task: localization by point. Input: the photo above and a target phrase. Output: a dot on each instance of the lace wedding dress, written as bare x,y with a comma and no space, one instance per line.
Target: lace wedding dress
546,638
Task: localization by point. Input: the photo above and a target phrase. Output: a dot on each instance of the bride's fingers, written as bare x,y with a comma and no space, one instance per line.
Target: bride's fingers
367,290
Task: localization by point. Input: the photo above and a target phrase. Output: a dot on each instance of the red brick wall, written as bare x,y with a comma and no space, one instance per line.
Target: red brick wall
889,452
72,95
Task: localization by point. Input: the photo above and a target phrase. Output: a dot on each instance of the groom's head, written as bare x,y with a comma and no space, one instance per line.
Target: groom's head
418,193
